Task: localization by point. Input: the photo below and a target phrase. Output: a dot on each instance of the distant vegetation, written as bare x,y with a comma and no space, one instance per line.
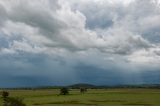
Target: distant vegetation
89,86
82,85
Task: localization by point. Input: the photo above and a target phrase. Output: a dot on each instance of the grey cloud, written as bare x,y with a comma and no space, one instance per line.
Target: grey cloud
64,33
51,39
3,15
96,18
142,17
36,16
139,17
45,19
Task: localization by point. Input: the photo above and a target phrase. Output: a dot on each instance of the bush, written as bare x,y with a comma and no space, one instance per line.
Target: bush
64,91
10,101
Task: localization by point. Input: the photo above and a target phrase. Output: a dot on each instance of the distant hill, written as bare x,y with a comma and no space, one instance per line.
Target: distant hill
82,85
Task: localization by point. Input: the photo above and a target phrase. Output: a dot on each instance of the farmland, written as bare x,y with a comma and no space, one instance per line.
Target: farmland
93,97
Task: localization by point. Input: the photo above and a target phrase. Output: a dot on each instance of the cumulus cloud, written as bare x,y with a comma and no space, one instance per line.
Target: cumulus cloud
101,34
65,28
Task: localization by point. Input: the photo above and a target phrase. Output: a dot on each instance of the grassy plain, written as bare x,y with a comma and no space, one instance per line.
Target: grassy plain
94,97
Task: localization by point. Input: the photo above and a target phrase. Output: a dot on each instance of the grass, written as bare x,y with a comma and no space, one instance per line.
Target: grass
94,97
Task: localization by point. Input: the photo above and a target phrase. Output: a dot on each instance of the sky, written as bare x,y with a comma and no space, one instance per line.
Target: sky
63,42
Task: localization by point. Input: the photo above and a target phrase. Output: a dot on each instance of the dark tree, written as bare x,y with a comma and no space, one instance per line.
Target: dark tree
5,94
83,90
64,91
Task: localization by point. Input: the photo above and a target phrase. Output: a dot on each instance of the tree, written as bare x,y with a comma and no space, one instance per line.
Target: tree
5,94
83,90
64,91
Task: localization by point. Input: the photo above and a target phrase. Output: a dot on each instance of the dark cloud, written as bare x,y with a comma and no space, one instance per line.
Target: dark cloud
62,42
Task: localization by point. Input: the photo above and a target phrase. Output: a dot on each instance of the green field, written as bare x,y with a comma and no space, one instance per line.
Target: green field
99,97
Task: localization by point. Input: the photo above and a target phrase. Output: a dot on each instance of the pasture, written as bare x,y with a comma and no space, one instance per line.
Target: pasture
93,97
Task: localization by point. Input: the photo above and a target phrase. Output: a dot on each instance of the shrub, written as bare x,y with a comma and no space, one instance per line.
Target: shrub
64,91
11,101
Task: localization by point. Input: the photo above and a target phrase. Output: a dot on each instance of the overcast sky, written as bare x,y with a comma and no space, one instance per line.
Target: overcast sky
61,42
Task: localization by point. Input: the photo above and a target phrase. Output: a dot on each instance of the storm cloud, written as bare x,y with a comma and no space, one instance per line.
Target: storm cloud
57,42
